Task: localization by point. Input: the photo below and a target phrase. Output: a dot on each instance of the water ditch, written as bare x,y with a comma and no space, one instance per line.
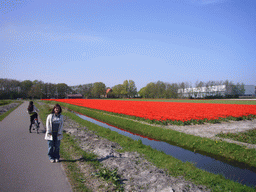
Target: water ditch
235,173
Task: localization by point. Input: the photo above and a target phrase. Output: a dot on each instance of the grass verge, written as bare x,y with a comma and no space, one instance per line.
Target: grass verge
73,172
172,165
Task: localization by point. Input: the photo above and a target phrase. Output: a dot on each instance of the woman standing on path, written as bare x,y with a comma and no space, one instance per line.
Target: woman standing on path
54,133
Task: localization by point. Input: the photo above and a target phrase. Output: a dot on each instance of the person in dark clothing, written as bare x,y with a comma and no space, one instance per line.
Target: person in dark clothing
32,111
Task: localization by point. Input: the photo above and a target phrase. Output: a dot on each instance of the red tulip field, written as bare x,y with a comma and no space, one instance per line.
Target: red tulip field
162,111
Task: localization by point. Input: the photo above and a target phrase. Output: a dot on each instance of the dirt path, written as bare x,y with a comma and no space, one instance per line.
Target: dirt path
211,130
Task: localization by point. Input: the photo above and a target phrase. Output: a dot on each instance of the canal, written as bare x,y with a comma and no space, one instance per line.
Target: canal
241,175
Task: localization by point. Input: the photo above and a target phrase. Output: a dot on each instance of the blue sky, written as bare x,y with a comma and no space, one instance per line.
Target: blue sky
86,41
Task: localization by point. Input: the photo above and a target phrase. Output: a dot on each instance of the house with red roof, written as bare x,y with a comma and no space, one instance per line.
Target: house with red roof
109,90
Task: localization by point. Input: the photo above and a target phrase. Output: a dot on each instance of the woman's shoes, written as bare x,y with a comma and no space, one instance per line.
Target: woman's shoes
56,160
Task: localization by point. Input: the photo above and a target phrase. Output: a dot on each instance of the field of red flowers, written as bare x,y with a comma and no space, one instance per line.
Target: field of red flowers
162,111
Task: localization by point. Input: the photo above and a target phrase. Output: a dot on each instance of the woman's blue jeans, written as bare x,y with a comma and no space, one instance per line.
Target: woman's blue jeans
54,149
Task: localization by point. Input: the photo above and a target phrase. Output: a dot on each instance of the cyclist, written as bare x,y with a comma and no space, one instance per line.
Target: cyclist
32,111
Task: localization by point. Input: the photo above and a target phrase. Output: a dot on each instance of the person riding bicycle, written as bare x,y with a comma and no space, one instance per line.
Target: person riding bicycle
32,111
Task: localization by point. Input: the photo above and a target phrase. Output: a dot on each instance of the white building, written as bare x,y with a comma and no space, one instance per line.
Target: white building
201,92
249,90
217,90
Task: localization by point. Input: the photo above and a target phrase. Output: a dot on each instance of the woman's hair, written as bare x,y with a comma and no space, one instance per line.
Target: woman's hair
57,105
31,106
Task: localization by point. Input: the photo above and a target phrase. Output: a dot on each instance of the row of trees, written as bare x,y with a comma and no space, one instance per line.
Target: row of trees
160,90
12,89
91,90
98,89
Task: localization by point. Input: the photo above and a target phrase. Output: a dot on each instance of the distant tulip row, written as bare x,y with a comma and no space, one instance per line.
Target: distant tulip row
162,111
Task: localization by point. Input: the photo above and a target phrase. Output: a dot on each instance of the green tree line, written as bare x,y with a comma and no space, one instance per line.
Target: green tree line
13,89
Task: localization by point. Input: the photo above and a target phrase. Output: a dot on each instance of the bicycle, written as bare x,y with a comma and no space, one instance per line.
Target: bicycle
36,125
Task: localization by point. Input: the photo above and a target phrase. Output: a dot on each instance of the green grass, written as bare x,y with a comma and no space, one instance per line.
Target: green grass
172,165
246,137
77,178
6,102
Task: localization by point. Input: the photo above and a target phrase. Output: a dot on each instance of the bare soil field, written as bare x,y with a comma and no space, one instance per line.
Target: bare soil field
210,130
5,108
